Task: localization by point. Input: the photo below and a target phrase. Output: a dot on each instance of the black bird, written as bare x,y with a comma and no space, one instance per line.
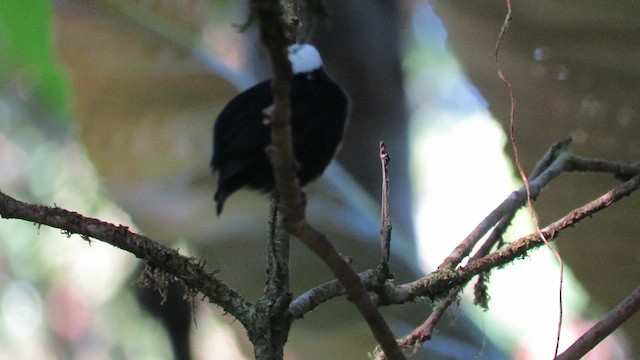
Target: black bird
319,111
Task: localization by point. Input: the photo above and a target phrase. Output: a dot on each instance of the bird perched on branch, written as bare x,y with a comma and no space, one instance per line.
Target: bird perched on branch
319,111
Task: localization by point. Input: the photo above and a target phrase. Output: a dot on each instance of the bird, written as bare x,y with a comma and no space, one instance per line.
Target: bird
319,112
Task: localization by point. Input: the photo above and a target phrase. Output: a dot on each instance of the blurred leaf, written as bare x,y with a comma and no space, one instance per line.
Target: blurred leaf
26,48
138,98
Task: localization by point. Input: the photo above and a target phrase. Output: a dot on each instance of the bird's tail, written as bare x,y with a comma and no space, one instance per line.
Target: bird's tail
220,197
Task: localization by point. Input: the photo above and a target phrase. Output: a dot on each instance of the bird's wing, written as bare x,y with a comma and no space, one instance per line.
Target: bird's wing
239,132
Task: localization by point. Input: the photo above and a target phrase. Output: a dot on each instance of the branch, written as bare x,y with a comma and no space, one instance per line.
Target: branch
277,283
404,293
516,200
272,320
562,161
424,331
269,14
547,159
322,293
439,282
619,169
556,160
385,229
188,270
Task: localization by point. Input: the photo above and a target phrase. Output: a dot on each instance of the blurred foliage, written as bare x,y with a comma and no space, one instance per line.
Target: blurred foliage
69,299
26,52
144,100
62,299
59,299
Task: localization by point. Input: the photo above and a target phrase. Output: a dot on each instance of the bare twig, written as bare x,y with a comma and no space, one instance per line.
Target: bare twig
619,169
509,205
549,156
603,328
385,228
424,331
312,298
440,281
547,159
523,175
562,161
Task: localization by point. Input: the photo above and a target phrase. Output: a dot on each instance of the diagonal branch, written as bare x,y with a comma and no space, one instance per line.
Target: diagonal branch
612,321
508,206
441,281
406,292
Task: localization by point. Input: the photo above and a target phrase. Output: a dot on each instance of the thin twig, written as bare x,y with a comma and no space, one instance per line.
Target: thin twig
517,199
523,175
545,161
424,331
439,282
618,168
385,228
562,161
550,155
324,292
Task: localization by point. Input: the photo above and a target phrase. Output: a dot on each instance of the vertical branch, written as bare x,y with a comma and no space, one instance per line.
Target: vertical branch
280,152
270,330
385,229
272,320
277,283
292,205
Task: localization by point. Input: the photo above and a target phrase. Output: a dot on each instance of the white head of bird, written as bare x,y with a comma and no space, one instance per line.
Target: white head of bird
304,58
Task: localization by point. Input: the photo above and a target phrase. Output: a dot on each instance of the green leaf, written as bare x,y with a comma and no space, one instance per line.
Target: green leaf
26,51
